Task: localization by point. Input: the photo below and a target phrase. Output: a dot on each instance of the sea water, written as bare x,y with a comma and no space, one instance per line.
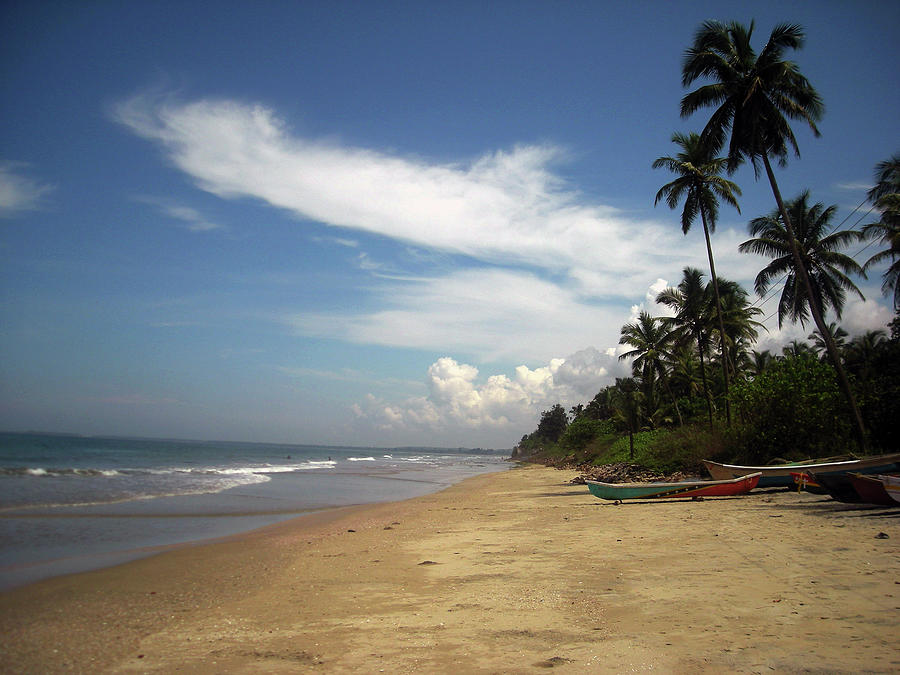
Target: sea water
73,503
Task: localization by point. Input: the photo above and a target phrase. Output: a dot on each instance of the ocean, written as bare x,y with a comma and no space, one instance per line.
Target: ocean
74,503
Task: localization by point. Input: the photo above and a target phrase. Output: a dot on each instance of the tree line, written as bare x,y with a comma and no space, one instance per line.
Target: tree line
833,395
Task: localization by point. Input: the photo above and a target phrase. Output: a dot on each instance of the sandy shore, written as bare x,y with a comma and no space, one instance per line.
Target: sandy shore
504,573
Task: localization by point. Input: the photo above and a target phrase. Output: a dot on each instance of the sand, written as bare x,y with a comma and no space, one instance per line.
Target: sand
513,572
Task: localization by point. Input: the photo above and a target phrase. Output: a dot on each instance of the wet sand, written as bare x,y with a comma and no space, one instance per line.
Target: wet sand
510,572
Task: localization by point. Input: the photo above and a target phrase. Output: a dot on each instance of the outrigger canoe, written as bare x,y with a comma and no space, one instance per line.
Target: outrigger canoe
780,475
689,488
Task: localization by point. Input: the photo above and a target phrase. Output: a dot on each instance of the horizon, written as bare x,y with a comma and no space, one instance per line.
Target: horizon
386,225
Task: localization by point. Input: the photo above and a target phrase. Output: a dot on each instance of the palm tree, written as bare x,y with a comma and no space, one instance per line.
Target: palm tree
754,96
701,186
741,328
761,361
886,197
627,407
797,348
818,282
837,333
652,346
691,303
826,266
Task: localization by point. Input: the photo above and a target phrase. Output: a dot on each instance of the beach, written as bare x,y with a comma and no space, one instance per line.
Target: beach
509,572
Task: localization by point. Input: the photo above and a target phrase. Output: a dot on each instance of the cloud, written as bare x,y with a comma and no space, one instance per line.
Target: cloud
194,220
490,313
19,193
506,206
499,404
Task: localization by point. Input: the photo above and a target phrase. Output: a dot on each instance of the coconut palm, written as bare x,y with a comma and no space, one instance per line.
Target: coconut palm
753,97
627,407
651,346
820,255
741,327
691,302
886,198
701,186
761,361
838,334
820,279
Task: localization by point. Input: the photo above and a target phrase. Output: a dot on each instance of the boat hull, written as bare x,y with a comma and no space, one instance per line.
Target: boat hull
684,489
872,490
780,475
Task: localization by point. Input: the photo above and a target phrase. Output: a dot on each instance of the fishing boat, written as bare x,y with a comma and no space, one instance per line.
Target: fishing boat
891,486
780,474
688,488
871,490
803,482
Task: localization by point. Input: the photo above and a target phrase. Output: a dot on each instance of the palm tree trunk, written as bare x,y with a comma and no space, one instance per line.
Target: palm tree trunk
672,396
703,377
816,311
715,280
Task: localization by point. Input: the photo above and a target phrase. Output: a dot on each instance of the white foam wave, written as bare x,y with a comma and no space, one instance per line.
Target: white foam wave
360,459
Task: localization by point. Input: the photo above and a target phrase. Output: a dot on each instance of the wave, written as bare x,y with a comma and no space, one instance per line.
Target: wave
360,459
44,472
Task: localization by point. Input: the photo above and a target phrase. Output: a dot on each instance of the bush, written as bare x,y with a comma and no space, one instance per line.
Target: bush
793,410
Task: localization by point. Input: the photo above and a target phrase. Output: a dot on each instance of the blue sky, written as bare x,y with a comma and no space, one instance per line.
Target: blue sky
372,223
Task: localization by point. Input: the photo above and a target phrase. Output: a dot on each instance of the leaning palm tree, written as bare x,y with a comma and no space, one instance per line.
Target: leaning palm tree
754,96
651,346
701,186
886,198
691,302
819,281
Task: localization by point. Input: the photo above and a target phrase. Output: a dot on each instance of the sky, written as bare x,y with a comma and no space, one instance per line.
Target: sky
375,223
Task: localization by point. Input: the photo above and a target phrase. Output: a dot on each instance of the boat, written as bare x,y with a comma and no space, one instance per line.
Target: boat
779,475
681,489
839,486
872,490
891,486
803,482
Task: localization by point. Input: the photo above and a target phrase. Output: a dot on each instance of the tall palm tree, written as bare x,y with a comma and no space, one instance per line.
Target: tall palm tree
691,302
754,96
886,198
820,281
651,346
826,266
701,186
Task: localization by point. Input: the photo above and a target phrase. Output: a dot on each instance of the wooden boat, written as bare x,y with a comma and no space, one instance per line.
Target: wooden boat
804,482
891,486
871,490
780,475
839,487
689,488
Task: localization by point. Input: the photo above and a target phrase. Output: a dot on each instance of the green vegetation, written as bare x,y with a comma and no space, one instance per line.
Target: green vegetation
698,390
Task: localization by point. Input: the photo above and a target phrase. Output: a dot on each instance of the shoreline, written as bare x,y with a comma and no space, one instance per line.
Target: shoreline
513,571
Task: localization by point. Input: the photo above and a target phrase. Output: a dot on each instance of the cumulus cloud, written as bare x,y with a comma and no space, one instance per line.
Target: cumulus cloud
18,192
503,403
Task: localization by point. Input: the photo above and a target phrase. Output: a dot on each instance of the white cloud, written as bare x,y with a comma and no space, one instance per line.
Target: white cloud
499,406
19,193
490,313
194,220
505,206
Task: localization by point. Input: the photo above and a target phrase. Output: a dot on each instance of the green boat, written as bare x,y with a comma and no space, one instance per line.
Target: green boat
682,489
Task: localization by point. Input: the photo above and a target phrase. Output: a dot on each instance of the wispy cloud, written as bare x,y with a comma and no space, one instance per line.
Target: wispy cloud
506,206
19,192
193,219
